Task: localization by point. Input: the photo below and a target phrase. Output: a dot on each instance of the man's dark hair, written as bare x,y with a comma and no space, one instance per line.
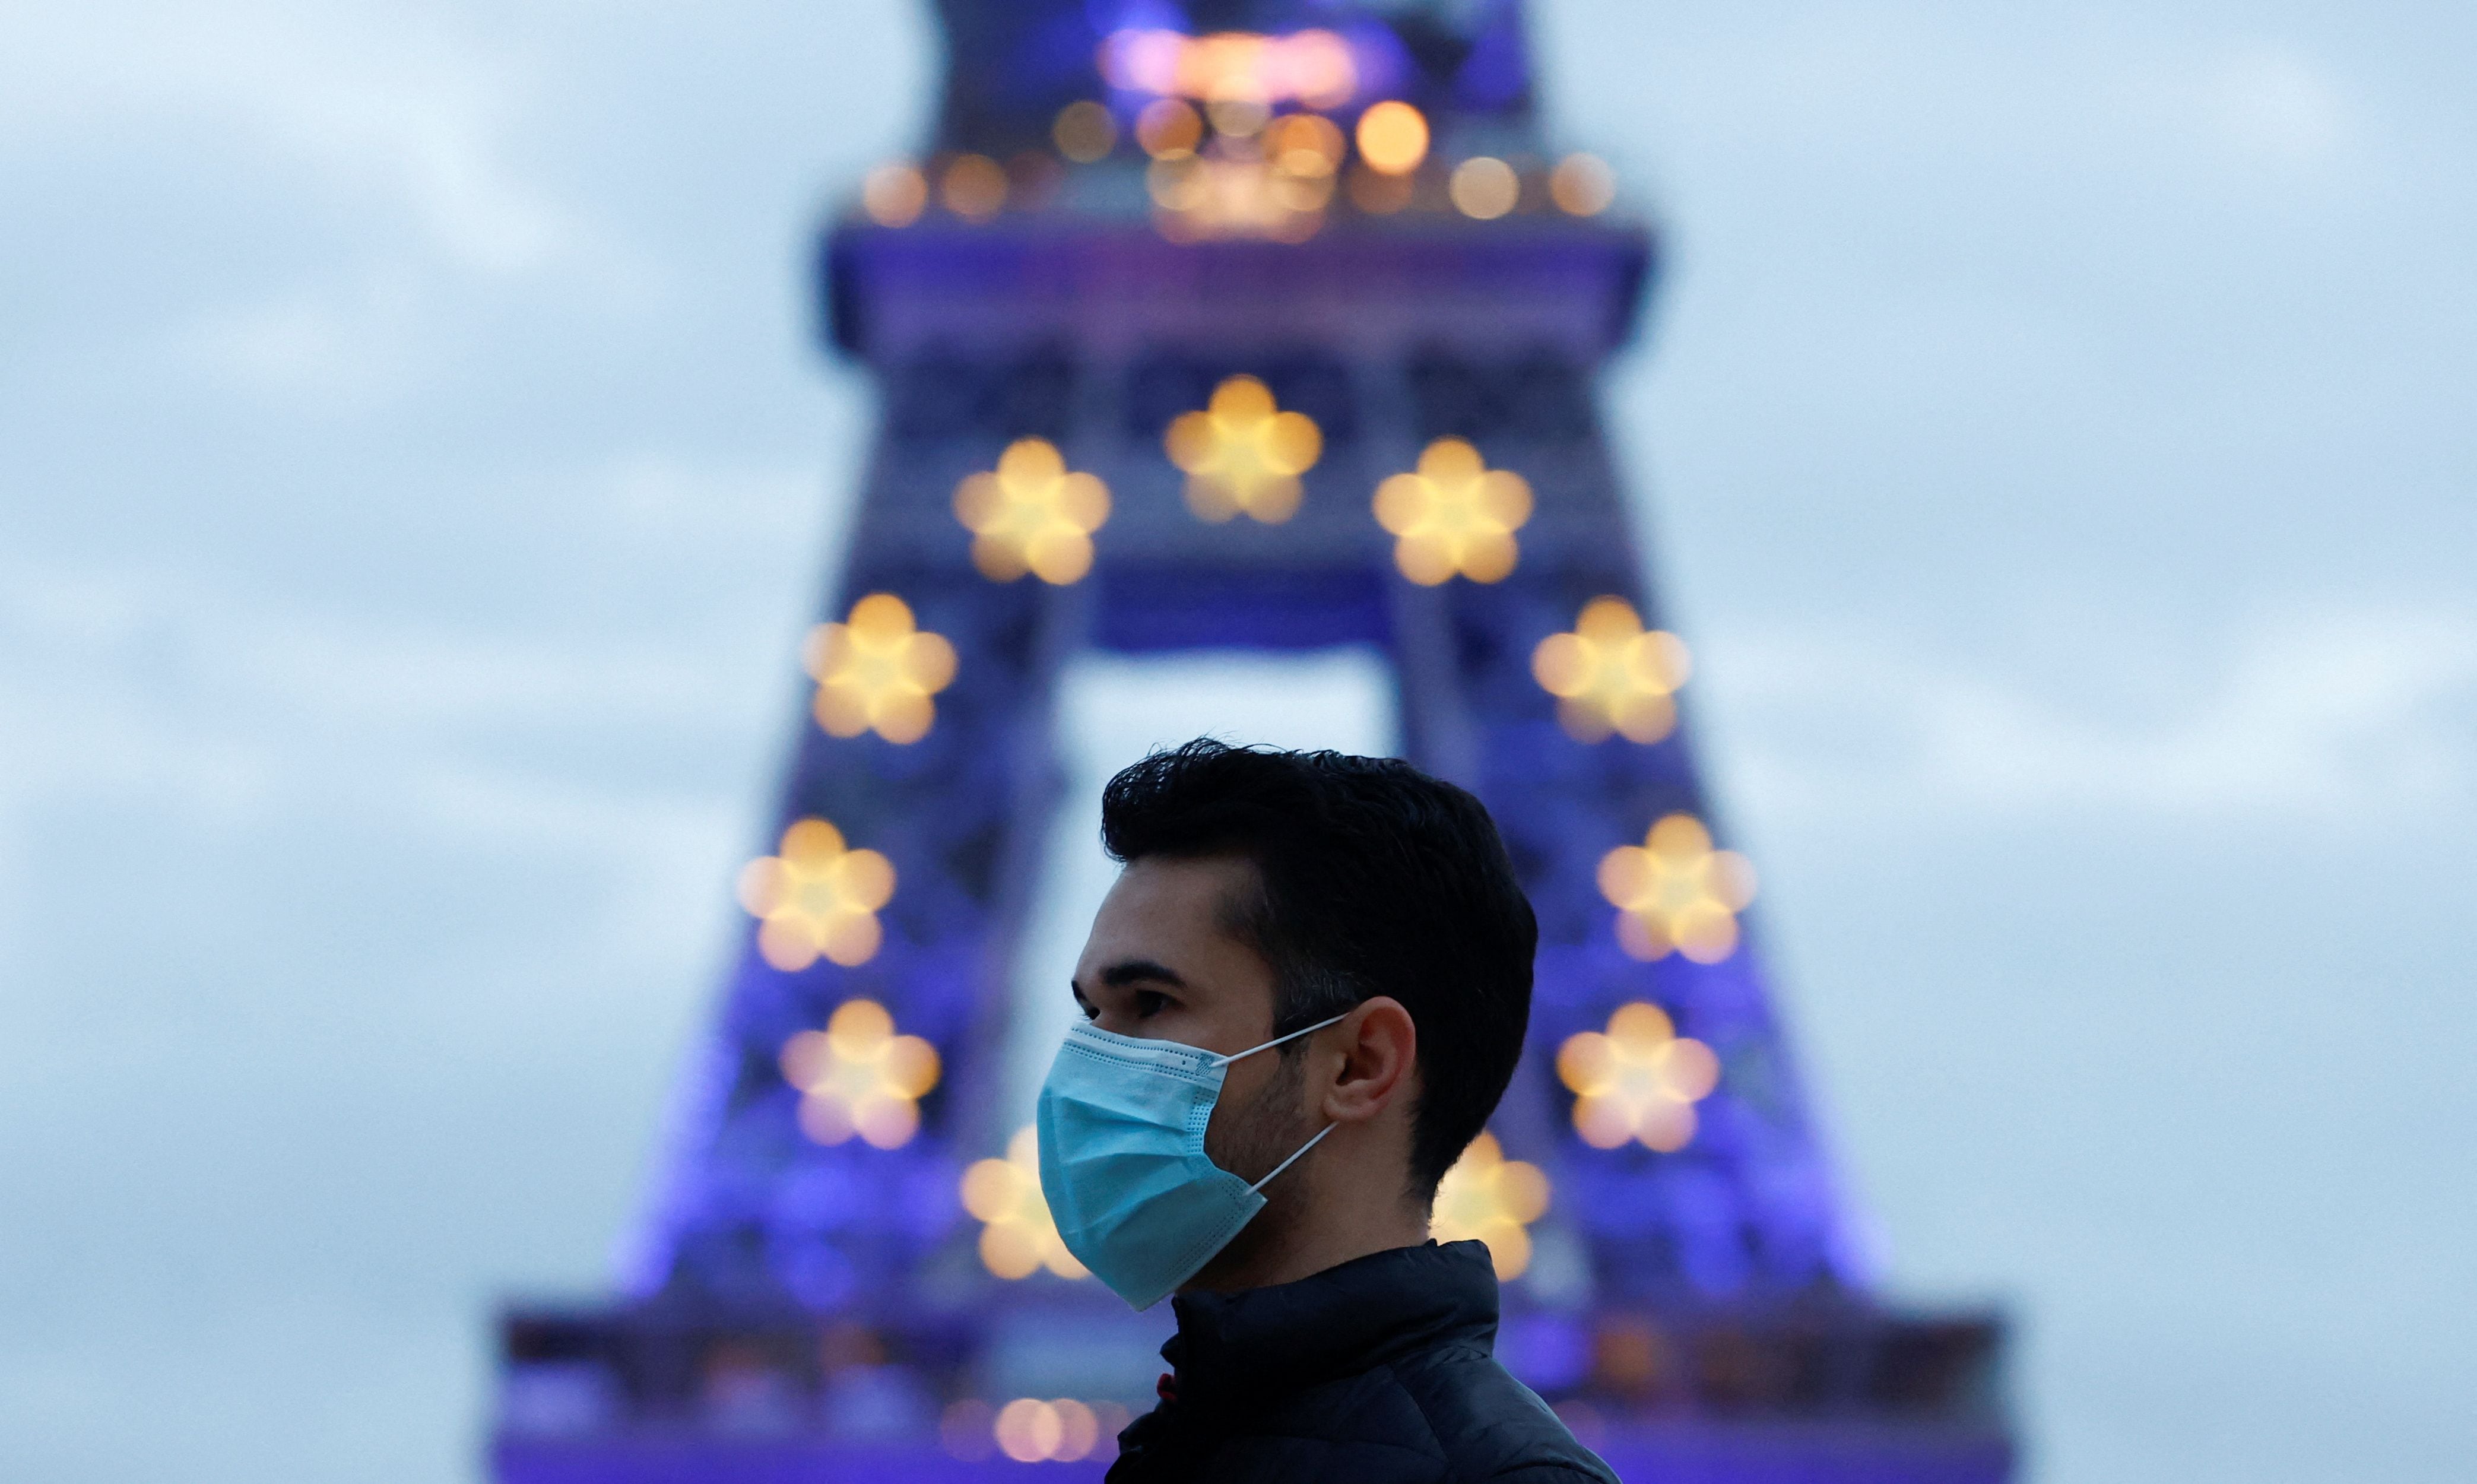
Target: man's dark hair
1373,879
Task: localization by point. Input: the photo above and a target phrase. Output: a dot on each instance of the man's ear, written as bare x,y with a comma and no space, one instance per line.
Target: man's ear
1379,1048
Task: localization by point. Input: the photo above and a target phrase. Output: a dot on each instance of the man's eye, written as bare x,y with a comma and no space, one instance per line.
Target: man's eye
1149,1002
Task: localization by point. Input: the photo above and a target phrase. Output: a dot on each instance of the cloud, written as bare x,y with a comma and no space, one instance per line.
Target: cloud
186,701
1899,100
660,499
374,101
2365,713
2275,104
345,342
341,199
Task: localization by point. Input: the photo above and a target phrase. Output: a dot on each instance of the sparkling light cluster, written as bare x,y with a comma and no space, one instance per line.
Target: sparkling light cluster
1490,1198
1454,515
876,672
1674,893
1609,676
1242,455
1018,1237
1031,515
858,1076
1312,67
1203,198
1228,163
1638,1080
816,898
1260,176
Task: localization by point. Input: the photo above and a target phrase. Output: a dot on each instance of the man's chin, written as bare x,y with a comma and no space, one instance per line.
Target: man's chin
1235,1265
1255,1251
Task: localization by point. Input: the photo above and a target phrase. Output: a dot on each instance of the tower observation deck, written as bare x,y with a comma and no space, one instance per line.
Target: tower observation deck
1258,325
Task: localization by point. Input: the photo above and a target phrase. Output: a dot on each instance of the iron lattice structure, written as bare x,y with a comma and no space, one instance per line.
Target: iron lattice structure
1124,207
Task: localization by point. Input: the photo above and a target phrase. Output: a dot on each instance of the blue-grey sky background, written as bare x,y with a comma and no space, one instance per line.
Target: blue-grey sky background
416,474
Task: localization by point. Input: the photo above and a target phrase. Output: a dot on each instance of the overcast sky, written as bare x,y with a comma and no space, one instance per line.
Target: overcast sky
416,475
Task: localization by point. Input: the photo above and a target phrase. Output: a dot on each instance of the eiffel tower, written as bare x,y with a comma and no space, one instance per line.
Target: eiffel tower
1260,325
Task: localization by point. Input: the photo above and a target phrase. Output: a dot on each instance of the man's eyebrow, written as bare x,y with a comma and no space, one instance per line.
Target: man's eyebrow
1128,971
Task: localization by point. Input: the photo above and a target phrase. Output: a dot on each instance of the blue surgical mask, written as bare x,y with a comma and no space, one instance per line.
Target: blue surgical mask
1123,1158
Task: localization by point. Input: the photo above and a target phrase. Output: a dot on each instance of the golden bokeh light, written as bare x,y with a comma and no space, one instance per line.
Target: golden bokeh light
974,187
1084,131
893,194
1674,893
1638,1080
815,897
1489,1199
1312,67
856,1076
1304,144
1033,1431
1242,454
1582,185
875,672
1018,1237
1031,515
1483,187
1453,514
1609,676
1392,137
1168,129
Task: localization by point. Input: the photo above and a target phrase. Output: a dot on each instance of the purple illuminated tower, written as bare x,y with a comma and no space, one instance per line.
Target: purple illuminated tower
1257,324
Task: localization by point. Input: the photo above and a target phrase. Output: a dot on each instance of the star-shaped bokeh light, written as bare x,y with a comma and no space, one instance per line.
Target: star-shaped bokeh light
1490,1198
1031,514
1638,1080
1674,893
1609,676
856,1076
1242,454
816,898
876,672
1018,1237
1453,514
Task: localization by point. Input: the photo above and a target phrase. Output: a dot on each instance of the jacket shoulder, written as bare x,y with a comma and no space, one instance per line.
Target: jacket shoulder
1361,1429
1490,1425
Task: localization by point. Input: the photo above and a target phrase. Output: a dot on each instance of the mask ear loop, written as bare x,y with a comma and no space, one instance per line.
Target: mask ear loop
1328,1128
1292,1160
1224,1060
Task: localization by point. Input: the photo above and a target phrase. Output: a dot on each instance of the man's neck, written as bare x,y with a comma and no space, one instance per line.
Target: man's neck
1325,1234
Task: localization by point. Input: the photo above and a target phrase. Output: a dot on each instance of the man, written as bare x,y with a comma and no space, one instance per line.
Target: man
1303,998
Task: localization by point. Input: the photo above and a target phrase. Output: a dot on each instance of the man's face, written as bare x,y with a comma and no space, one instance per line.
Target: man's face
1162,963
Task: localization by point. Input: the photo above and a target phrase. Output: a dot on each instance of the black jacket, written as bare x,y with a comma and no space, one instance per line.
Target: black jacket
1377,1372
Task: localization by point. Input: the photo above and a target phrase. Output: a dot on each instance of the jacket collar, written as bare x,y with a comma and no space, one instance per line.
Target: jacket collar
1341,1321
